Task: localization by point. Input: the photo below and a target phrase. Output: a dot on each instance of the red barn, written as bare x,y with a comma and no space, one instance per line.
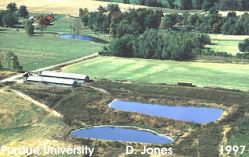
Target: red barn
50,18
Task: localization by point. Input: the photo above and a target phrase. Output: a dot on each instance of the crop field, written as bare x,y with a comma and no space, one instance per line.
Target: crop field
71,7
23,123
68,7
233,76
45,49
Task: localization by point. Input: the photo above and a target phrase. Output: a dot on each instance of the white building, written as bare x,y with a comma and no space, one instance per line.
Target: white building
78,77
68,82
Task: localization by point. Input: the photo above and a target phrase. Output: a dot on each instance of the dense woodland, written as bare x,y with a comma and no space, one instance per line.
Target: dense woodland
136,21
111,20
158,44
191,4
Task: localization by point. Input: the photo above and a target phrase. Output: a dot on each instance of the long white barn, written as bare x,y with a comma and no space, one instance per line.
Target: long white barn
79,77
60,81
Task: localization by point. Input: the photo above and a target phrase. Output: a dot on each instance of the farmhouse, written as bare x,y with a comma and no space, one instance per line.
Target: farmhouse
78,77
68,82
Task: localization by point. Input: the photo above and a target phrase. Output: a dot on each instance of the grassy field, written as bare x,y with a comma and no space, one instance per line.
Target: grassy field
229,46
68,7
227,43
232,76
228,37
71,7
24,124
45,49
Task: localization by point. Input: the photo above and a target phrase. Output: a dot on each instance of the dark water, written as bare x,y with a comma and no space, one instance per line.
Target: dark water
200,115
82,37
121,134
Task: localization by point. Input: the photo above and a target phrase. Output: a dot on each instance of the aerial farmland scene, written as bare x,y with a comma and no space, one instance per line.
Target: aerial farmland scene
124,78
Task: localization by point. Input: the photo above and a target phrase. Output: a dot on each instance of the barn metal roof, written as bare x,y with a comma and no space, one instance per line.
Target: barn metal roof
64,75
51,80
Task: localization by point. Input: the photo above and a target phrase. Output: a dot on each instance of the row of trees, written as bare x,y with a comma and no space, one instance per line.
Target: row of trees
214,4
135,21
112,20
213,22
158,44
9,17
10,61
193,4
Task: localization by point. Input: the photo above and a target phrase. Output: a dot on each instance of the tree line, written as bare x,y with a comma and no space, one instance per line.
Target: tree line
111,20
242,5
213,22
135,21
158,44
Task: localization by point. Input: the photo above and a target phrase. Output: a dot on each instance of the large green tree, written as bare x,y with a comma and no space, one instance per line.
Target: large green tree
9,19
29,28
83,14
244,47
23,11
11,7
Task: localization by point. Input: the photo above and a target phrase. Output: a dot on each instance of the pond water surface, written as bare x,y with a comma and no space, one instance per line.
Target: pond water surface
82,37
121,134
201,115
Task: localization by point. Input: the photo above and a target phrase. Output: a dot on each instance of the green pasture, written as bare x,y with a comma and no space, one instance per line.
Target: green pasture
229,46
24,124
232,76
43,49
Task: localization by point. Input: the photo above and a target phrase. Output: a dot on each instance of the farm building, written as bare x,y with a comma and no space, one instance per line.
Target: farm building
68,82
78,77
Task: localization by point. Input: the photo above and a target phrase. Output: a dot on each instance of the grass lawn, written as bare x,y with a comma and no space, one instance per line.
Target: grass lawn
228,37
24,124
233,76
228,43
45,49
229,46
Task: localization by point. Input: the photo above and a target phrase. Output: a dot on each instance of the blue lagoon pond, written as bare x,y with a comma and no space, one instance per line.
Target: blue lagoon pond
121,134
201,115
82,37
